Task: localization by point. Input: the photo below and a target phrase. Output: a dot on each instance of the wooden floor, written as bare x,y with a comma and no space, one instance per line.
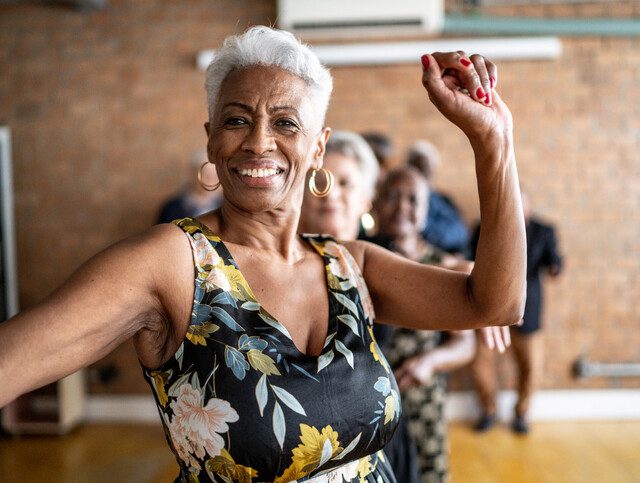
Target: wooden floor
553,452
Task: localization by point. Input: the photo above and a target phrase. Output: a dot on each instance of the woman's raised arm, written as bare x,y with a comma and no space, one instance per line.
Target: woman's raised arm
413,295
134,288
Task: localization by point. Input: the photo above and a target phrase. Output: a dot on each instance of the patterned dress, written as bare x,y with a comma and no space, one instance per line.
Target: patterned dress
423,407
238,400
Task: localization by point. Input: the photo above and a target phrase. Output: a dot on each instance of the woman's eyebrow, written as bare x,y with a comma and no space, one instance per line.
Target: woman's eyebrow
242,106
284,108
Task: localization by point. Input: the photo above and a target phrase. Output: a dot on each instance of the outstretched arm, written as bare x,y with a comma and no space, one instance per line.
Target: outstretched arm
119,293
412,295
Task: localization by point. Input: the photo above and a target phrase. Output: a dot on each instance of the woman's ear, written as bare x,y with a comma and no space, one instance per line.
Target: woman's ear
320,148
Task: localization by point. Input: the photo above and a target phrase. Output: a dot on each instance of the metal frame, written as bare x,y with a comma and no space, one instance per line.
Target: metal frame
7,227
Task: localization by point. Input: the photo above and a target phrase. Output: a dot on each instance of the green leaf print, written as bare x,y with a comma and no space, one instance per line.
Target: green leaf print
262,395
275,324
351,322
226,319
324,360
250,305
279,426
236,362
224,298
287,398
340,347
349,448
346,302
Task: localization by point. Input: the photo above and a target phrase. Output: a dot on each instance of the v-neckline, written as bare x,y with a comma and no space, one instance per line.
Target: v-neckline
331,323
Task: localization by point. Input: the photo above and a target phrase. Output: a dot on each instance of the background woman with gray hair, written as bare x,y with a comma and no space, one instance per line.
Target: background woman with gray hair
256,342
355,169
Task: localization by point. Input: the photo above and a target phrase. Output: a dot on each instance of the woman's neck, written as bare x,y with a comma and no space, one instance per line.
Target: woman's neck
273,231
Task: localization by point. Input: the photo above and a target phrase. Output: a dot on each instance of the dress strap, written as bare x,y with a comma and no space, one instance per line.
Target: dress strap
341,264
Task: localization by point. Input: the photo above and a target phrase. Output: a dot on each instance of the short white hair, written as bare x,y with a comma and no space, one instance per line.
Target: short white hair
266,46
425,156
354,146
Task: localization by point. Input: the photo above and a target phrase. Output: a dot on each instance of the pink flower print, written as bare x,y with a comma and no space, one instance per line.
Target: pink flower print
204,253
195,428
216,279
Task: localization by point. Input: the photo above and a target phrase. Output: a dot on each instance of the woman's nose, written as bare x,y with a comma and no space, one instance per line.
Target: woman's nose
259,140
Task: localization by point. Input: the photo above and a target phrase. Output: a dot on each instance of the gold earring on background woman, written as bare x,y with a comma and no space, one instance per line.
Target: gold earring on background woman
205,186
329,183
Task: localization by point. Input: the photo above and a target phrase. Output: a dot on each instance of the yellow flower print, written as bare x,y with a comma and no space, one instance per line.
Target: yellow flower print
375,350
197,334
364,468
235,280
293,473
158,384
309,453
224,466
389,409
191,225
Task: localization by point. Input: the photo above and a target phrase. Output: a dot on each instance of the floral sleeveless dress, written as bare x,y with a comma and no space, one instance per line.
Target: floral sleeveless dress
238,400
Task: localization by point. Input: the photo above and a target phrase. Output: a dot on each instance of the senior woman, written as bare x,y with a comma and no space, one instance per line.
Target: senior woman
256,343
420,357
354,167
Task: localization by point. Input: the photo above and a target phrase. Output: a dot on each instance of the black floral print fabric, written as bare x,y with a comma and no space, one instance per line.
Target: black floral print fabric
239,401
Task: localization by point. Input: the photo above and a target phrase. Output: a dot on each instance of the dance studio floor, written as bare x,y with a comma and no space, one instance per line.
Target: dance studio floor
554,452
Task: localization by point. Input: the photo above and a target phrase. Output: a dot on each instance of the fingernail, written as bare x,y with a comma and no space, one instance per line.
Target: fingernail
492,82
487,99
425,61
480,93
465,62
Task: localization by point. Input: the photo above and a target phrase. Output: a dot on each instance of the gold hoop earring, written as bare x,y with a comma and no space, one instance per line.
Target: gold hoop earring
207,187
329,183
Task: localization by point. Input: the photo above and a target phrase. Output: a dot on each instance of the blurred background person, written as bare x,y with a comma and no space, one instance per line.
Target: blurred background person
383,149
338,214
444,227
420,358
355,170
542,258
201,194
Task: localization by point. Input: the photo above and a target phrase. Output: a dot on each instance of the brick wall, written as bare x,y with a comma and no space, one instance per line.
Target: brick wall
105,107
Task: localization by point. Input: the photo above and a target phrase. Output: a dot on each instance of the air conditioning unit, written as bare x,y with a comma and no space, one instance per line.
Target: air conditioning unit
361,18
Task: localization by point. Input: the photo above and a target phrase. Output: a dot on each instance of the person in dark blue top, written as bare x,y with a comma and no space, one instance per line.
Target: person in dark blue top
444,227
194,199
543,258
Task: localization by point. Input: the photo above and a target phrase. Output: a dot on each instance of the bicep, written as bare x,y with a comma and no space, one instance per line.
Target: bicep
105,302
413,295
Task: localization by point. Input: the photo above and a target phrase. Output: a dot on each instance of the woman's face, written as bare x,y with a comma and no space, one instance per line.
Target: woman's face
339,212
264,137
401,206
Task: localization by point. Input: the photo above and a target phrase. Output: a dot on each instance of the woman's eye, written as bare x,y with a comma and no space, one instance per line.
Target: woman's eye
235,121
288,123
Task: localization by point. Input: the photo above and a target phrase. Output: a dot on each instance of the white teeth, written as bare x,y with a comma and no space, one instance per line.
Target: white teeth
258,173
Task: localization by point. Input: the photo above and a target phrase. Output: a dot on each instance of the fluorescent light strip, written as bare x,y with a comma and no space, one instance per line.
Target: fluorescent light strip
388,53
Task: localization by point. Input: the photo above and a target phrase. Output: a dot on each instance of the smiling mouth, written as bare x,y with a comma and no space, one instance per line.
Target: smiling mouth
259,173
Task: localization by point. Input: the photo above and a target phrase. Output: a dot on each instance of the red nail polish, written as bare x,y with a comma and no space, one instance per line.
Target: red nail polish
465,62
425,61
487,99
492,82
480,93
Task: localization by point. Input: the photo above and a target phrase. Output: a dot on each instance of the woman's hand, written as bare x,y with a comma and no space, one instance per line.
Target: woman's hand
463,90
498,338
415,371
